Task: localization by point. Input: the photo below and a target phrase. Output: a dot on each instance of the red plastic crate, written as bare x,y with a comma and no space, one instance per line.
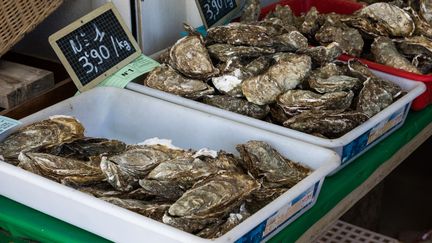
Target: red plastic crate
348,7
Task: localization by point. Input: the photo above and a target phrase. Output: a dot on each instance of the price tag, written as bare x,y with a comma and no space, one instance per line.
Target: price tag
95,46
7,123
215,12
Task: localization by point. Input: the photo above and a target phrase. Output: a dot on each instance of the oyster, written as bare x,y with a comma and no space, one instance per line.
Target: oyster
124,170
349,39
386,53
376,95
258,65
329,124
237,105
190,57
324,54
393,19
224,52
294,102
275,26
359,70
86,148
104,189
167,79
368,29
422,27
423,63
239,34
277,114
311,23
209,200
334,83
289,70
66,171
263,161
283,13
172,178
416,45
425,10
251,11
46,133
290,42
154,210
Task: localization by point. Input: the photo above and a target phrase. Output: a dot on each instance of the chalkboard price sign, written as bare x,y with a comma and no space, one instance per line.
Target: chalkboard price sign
215,12
95,46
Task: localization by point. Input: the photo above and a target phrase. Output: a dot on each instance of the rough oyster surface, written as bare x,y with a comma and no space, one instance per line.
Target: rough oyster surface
224,52
294,102
44,133
349,39
239,34
385,52
237,105
329,124
167,79
66,171
263,161
190,57
334,83
152,210
396,21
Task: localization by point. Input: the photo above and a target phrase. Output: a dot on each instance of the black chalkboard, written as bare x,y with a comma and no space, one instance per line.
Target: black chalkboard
94,45
213,11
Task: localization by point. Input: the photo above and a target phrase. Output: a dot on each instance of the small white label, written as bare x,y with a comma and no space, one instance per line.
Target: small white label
386,125
287,211
7,123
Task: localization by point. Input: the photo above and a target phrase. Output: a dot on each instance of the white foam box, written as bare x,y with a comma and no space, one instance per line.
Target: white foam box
132,117
349,146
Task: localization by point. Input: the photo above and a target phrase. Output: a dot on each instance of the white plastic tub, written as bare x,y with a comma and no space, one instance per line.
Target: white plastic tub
133,117
349,146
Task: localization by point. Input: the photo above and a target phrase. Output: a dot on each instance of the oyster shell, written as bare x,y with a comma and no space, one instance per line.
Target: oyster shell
124,170
290,42
46,133
349,39
263,196
86,148
104,189
180,173
251,11
329,124
425,10
275,26
294,102
224,52
423,63
66,171
422,27
368,29
283,13
385,52
277,114
190,57
395,20
207,201
324,54
334,83
258,65
376,95
311,23
289,70
263,161
359,70
237,105
415,45
239,34
167,79
154,210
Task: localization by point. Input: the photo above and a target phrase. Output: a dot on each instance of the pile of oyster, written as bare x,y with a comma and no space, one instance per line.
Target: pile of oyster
265,70
203,192
397,33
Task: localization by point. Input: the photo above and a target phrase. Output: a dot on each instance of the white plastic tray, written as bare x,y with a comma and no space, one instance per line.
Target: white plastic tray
349,146
133,117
